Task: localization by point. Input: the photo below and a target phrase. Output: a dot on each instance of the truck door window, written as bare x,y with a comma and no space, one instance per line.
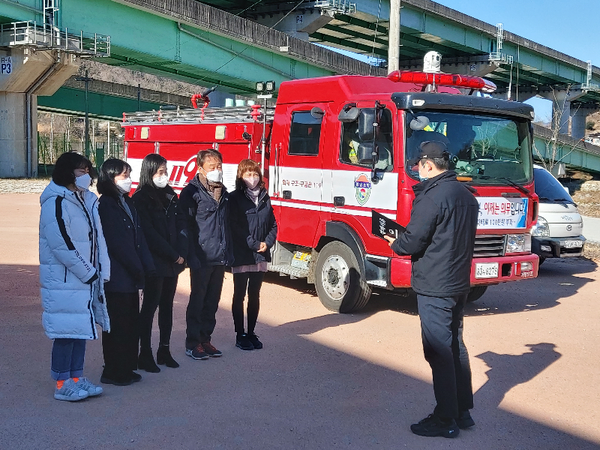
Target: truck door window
384,141
305,134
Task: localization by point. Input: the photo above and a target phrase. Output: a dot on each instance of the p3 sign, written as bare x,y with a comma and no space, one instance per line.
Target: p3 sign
6,65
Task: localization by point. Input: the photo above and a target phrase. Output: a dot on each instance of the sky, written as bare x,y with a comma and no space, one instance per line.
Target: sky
569,27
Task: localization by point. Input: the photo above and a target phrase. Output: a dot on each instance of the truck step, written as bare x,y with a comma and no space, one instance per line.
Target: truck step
286,269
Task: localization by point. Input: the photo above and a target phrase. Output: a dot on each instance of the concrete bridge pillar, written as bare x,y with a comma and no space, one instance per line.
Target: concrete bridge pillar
579,113
26,74
561,106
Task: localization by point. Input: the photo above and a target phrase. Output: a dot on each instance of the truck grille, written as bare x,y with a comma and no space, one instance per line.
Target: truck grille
486,246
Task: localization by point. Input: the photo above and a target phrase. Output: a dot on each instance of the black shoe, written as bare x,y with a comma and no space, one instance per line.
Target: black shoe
146,361
211,350
135,377
433,426
242,341
465,420
117,381
163,357
197,352
254,340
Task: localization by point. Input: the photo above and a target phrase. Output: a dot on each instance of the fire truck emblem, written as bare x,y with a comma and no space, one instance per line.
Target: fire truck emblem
362,187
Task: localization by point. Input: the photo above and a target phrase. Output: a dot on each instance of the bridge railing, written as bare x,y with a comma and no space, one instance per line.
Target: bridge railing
30,34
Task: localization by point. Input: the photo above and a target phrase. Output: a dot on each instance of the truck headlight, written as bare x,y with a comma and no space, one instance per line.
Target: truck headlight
541,228
518,243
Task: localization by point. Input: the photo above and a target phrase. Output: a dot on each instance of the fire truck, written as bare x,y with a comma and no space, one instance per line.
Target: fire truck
334,149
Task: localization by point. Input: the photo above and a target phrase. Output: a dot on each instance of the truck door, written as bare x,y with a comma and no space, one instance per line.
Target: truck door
298,184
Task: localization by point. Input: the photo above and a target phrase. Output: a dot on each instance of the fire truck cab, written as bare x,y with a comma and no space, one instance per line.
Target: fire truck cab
336,148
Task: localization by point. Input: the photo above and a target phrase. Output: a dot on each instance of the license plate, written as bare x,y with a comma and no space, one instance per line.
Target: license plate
486,270
572,243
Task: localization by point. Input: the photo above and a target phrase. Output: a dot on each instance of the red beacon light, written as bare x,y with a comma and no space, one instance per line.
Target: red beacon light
443,79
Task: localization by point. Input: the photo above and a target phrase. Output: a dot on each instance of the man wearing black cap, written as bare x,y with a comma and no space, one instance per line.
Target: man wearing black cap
440,238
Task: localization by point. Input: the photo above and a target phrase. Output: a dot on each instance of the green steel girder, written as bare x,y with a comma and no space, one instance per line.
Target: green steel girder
343,42
72,101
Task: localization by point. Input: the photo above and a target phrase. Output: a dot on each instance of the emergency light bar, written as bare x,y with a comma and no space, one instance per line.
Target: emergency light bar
443,79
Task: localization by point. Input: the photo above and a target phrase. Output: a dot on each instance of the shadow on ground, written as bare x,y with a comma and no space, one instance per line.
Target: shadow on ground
293,394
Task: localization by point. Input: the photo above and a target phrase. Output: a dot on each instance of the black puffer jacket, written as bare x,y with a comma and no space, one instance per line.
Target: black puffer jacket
164,227
207,226
130,258
250,225
440,236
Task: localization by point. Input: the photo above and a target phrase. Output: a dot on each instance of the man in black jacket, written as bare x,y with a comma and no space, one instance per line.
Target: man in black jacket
440,238
204,201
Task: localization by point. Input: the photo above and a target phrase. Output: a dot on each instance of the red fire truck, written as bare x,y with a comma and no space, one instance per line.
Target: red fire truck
335,148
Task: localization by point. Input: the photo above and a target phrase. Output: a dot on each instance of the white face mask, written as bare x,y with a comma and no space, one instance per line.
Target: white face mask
215,176
251,182
124,185
83,182
160,181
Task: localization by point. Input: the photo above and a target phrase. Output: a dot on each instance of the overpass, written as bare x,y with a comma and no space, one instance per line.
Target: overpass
192,41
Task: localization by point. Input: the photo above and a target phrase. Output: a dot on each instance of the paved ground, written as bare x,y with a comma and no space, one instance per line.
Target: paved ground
323,381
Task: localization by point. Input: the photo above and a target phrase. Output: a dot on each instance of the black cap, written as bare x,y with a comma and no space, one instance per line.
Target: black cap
431,150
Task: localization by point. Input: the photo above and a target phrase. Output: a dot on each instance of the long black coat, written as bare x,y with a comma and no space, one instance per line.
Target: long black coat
164,227
130,258
440,236
209,235
250,225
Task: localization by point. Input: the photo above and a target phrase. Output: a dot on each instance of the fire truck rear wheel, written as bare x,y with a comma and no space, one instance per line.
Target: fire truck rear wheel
476,293
338,281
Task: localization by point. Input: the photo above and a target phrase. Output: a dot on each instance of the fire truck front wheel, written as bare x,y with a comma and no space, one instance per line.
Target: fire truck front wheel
338,281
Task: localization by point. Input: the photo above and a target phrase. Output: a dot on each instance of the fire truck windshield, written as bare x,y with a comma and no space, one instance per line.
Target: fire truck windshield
484,149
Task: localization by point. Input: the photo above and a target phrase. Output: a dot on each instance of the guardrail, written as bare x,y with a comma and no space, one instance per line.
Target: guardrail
30,34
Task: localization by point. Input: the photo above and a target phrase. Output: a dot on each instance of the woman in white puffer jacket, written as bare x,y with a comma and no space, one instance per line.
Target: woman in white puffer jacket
74,265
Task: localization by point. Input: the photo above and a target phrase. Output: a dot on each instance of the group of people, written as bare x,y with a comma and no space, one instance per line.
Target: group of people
99,254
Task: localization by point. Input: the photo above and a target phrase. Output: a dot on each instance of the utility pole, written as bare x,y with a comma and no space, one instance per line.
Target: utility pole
86,80
394,36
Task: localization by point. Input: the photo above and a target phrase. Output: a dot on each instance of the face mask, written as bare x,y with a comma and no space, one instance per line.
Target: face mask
215,176
161,181
251,182
83,182
124,185
423,178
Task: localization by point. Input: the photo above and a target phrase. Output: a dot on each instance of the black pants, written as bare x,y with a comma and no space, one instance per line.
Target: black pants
445,351
206,284
158,293
120,346
250,281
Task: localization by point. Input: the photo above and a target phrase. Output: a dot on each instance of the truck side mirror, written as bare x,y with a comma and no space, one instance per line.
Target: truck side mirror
349,114
317,113
366,123
365,153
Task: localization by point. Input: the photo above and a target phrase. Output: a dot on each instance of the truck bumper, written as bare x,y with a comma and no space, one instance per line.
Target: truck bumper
484,271
546,247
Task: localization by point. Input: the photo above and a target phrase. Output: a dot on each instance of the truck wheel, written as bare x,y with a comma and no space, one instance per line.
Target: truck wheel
475,293
338,281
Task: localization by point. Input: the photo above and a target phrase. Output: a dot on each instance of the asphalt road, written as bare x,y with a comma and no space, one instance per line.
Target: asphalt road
322,381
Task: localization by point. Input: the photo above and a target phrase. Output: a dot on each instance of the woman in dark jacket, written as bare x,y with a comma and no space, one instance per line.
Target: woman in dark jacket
130,262
156,203
254,231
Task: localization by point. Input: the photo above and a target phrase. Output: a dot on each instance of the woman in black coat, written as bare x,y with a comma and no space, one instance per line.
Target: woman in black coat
130,262
163,226
254,232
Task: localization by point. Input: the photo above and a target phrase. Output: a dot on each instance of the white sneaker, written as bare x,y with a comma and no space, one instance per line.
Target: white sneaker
89,387
70,392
